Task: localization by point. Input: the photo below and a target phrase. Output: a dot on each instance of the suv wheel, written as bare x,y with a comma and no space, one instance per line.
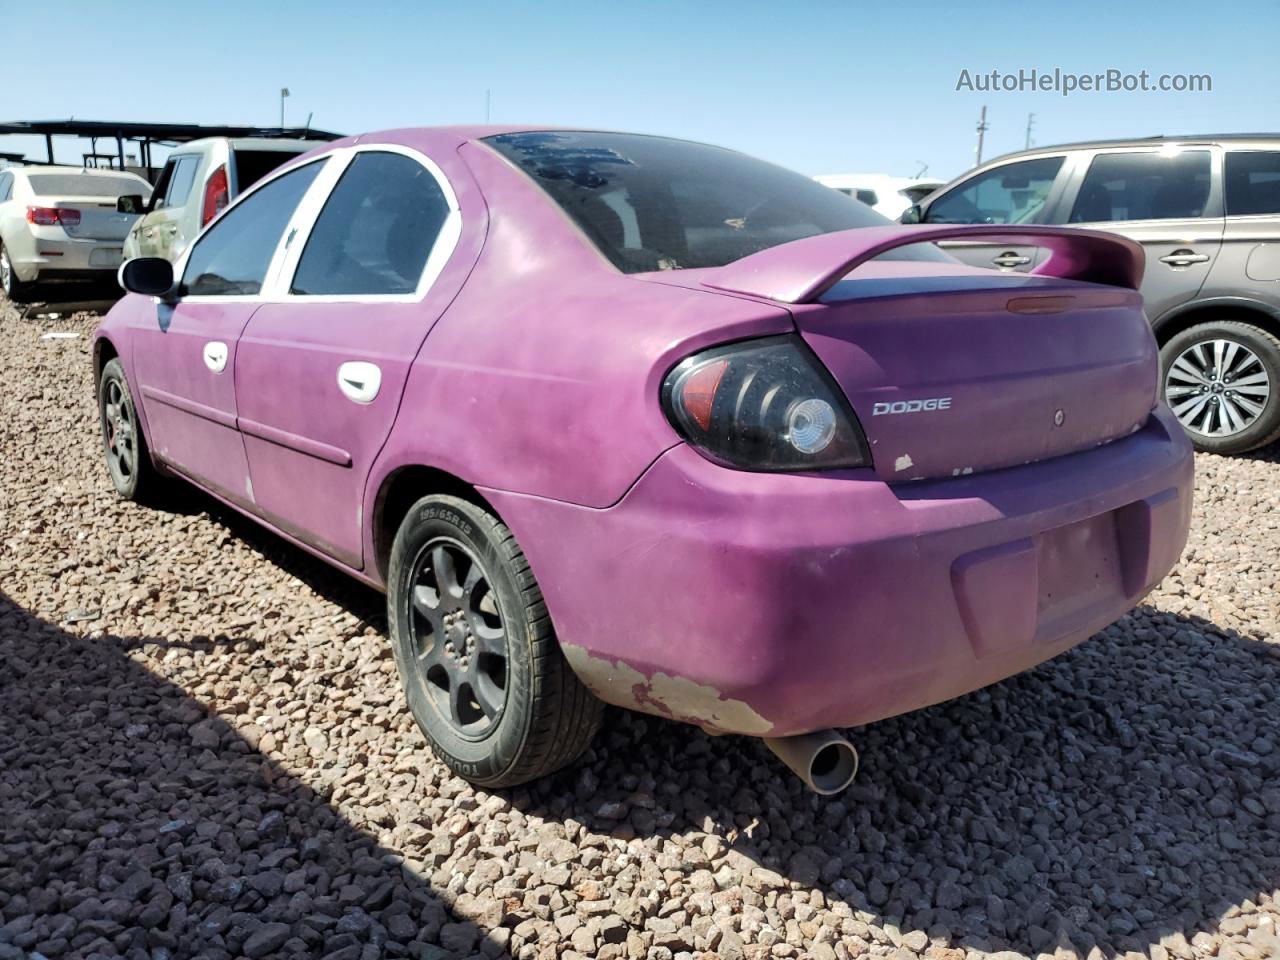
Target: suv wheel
1222,380
480,665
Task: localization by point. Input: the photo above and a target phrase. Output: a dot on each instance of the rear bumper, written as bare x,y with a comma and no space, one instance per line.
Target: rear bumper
778,604
67,258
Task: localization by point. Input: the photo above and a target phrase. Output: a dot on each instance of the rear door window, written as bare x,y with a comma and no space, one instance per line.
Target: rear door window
376,230
231,258
1144,186
1252,182
6,186
252,165
1012,193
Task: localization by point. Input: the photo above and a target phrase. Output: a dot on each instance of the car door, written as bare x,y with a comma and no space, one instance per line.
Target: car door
161,227
1249,262
184,352
320,370
1166,199
1020,191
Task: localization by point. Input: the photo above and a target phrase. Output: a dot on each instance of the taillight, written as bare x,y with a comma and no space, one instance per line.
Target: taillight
765,404
216,195
53,216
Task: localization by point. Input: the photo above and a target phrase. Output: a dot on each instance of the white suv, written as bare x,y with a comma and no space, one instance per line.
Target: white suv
198,180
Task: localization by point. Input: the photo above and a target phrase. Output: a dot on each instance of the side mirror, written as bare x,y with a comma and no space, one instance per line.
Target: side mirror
130,203
149,276
913,214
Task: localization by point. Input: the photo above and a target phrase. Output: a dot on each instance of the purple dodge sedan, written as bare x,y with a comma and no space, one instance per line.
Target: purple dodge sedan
631,420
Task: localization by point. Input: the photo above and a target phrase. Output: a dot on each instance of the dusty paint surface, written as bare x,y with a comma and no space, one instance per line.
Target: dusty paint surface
679,698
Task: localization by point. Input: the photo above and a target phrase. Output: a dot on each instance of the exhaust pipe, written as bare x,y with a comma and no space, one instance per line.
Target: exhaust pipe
825,761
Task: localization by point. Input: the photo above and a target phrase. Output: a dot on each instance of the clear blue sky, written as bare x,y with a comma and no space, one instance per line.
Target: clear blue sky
823,87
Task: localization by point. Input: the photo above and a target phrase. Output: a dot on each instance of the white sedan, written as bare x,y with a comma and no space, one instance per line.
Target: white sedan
61,223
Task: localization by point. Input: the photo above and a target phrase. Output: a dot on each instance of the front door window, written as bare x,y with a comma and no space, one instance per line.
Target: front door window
232,257
1012,193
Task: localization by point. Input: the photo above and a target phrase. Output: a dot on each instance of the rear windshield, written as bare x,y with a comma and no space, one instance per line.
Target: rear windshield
650,203
78,185
253,165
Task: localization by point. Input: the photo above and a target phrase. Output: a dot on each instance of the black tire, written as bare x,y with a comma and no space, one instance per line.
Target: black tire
125,448
14,289
494,722
1177,386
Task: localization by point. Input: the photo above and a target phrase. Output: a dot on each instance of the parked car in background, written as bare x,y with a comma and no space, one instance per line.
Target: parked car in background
834,475
1207,211
61,223
198,181
888,196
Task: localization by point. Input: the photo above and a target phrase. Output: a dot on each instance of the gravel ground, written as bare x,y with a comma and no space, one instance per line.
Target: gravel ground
204,751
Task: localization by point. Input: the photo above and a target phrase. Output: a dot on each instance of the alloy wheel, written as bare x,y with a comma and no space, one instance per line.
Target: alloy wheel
1217,387
459,638
6,272
119,429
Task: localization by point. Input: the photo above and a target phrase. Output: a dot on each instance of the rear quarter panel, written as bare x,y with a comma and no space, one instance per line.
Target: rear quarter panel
543,375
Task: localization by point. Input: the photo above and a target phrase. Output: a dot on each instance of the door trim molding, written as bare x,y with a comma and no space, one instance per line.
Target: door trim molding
204,412
304,445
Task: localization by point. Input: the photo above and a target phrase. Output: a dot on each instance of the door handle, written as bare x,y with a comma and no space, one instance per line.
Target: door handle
1010,259
1184,258
360,380
215,355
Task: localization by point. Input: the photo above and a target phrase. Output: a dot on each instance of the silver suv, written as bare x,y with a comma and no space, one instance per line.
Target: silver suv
1207,211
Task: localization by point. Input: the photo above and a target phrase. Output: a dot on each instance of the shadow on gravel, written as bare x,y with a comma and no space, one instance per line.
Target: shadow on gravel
370,606
1121,796
1268,454
133,823
70,297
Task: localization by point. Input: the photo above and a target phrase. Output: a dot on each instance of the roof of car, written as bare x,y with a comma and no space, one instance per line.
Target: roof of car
75,171
249,143
483,131
1145,141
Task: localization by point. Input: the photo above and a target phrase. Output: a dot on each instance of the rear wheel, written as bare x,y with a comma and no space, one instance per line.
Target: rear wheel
479,661
123,445
1222,380
14,289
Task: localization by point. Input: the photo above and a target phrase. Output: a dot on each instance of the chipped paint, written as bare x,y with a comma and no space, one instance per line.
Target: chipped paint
678,698
903,463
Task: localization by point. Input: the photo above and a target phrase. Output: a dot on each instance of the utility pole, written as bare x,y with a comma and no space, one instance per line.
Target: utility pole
982,128
284,92
487,92
1031,122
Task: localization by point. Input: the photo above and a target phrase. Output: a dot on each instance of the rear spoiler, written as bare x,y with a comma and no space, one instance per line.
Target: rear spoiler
803,270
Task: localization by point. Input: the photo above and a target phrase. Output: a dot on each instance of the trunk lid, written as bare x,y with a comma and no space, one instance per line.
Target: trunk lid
956,370
98,217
